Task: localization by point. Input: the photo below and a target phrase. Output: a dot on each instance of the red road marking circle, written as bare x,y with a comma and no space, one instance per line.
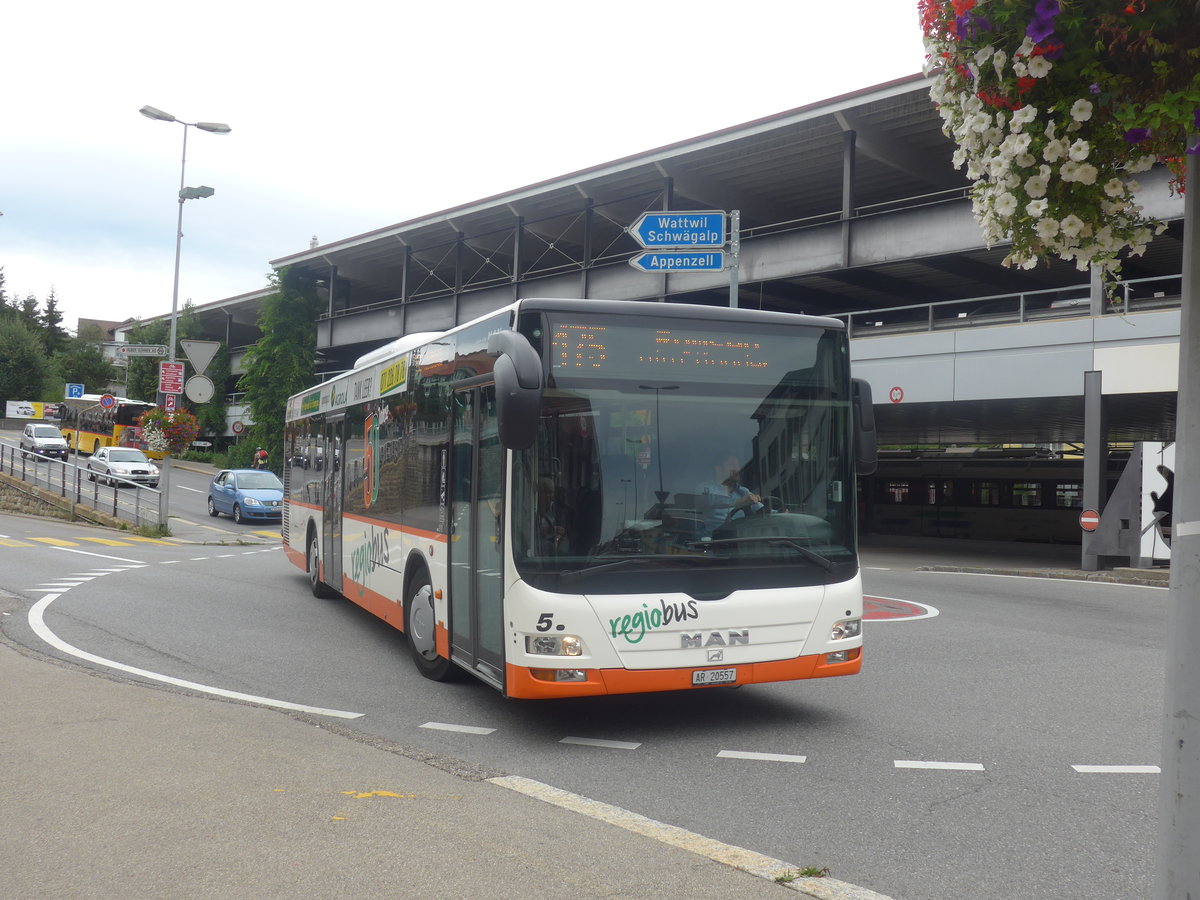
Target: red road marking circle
1089,519
881,609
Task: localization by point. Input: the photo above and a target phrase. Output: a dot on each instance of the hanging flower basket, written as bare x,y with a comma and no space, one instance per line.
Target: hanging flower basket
1056,106
166,432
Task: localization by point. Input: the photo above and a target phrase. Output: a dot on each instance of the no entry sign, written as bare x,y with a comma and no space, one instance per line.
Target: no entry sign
1089,519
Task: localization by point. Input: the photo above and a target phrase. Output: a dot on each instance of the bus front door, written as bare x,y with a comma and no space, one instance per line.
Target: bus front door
477,535
328,459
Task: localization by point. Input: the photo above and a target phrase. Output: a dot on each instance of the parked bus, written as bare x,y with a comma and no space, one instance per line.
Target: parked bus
88,425
524,496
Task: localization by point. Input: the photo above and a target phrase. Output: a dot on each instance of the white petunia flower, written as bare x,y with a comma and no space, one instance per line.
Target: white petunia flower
1079,150
1086,173
1071,226
1035,209
1046,228
1005,205
1081,110
1054,150
1114,187
1036,185
1039,67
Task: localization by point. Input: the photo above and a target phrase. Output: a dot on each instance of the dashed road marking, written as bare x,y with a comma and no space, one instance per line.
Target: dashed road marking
1117,770
54,542
465,729
945,766
12,542
595,742
765,757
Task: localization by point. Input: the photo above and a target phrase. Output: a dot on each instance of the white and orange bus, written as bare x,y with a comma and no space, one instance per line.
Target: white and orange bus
529,497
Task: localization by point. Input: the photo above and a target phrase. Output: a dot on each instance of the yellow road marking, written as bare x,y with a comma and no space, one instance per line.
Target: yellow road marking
55,542
106,542
146,540
6,542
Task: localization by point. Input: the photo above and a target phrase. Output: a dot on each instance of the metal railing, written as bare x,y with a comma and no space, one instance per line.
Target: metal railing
122,499
1135,295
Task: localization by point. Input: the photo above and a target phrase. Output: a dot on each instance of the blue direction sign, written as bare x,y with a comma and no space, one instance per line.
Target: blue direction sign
703,261
679,230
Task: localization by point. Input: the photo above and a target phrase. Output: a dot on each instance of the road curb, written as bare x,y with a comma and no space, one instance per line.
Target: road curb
749,861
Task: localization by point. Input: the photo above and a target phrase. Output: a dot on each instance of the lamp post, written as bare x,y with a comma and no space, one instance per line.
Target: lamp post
185,193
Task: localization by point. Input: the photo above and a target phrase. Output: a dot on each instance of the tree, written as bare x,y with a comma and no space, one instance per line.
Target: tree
54,337
22,361
83,362
1055,105
141,372
282,361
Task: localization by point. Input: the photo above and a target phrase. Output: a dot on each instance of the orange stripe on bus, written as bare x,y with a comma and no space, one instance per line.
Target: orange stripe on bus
521,684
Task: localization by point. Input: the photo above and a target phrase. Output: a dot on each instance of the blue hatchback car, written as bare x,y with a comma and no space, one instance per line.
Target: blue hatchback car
246,494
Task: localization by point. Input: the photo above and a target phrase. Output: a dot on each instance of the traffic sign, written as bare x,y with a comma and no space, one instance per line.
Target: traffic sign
142,350
199,388
108,401
74,391
1089,519
666,230
711,261
200,353
169,403
237,427
170,378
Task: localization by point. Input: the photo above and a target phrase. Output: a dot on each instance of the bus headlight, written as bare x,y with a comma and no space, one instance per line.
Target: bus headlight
553,645
846,628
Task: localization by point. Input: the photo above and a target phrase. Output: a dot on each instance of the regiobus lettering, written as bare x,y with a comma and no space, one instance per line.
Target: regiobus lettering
577,497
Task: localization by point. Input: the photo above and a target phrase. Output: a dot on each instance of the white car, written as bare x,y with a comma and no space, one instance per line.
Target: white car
40,440
122,465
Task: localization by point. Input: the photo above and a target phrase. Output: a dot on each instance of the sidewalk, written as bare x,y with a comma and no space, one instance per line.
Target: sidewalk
112,789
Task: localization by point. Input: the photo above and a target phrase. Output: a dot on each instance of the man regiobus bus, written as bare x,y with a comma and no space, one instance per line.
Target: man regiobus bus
531,497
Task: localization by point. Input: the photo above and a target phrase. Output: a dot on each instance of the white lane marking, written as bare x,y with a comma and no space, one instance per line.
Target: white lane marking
737,857
927,764
766,757
594,742
192,489
134,562
1120,584
1117,770
37,622
465,729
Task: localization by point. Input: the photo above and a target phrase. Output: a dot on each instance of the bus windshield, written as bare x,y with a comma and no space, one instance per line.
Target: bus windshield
713,466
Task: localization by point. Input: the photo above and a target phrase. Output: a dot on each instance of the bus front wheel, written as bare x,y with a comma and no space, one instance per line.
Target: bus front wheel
312,566
419,625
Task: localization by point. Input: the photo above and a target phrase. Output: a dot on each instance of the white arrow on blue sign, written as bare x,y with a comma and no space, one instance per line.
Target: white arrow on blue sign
703,261
666,230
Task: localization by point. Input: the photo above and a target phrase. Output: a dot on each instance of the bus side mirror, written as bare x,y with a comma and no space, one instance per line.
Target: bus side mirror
518,372
865,455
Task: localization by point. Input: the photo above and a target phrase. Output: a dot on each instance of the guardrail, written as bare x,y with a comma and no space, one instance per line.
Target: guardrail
123,499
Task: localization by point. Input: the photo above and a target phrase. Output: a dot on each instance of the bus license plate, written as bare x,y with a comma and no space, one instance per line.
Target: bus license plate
714,676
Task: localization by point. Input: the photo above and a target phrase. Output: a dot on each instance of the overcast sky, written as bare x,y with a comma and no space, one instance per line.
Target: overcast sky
352,116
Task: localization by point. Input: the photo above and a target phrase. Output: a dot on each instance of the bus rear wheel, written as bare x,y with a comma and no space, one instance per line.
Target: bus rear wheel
420,626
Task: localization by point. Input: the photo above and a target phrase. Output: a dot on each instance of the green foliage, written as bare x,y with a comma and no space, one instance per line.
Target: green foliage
141,372
82,362
282,361
22,360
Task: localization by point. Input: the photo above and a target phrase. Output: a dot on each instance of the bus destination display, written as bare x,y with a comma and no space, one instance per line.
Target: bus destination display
578,348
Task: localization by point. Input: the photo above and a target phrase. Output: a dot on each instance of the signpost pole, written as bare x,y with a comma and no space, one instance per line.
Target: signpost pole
735,246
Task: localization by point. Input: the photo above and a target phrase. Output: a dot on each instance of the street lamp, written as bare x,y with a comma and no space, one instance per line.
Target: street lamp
185,193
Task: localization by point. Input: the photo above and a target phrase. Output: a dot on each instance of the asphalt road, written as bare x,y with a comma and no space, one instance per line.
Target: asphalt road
945,770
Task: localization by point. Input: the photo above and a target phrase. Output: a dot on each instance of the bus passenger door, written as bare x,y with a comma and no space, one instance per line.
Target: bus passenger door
477,535
328,458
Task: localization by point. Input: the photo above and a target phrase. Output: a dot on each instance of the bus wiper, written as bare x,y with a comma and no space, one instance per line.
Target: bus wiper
626,561
812,556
